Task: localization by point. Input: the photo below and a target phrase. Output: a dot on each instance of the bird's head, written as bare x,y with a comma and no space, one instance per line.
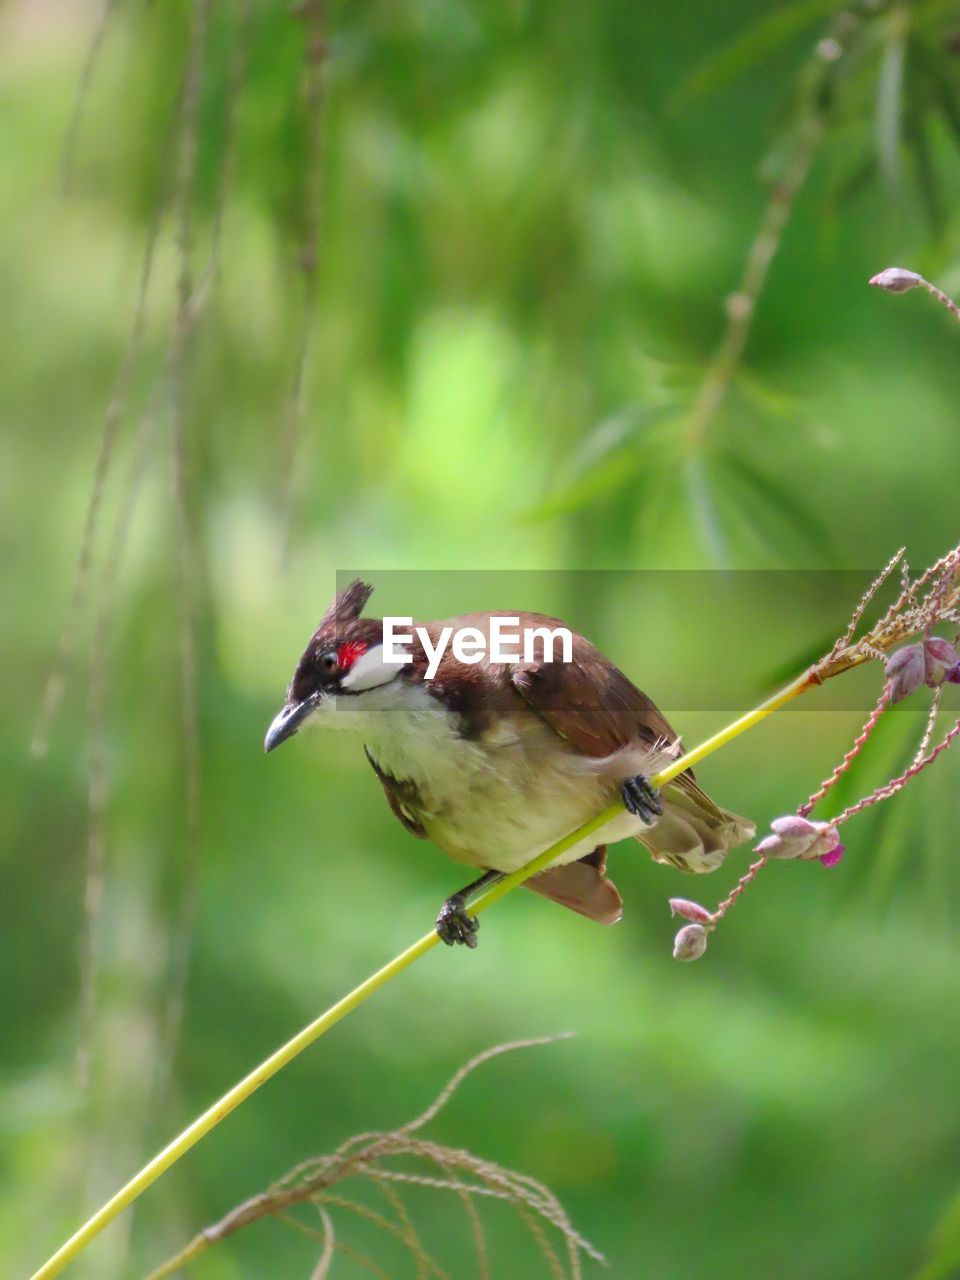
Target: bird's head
342,663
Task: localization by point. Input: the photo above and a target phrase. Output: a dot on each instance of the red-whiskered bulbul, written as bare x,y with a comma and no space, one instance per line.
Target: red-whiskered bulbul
494,762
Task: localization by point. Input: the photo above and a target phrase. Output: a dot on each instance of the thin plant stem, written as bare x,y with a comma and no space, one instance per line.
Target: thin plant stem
941,297
931,721
868,728
313,15
232,1099
91,58
97,784
747,878
112,422
322,1269
185,537
855,618
455,1081
742,304
897,784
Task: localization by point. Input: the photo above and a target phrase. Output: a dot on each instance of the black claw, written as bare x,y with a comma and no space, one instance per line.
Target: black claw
455,926
641,799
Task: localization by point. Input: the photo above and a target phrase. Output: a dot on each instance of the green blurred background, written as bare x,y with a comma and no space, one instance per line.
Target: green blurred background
525,221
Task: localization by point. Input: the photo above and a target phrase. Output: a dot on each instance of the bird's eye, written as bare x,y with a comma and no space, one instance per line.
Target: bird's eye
329,662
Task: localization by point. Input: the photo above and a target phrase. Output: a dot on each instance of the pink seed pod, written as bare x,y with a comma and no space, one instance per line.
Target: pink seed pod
690,910
940,659
690,943
906,671
896,280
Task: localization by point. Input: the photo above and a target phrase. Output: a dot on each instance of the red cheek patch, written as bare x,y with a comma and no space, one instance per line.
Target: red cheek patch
348,653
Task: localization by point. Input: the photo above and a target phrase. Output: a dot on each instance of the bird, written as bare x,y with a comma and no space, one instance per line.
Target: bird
496,761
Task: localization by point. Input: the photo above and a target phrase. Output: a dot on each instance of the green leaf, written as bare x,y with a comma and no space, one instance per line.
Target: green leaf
851,183
769,400
928,181
705,513
889,110
606,458
945,95
613,433
781,502
747,49
920,102
944,1257
602,480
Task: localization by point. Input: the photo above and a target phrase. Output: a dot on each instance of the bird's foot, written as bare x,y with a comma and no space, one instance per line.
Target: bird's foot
641,799
455,925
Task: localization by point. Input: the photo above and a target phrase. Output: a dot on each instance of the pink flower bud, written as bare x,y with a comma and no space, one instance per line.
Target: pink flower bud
689,910
792,837
940,657
690,943
774,847
793,827
954,675
826,844
832,856
896,280
796,837
905,670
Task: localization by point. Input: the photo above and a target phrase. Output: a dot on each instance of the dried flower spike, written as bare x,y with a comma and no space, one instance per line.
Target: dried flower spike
930,600
690,943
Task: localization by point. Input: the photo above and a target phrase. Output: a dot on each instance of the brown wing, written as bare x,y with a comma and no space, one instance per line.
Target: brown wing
592,705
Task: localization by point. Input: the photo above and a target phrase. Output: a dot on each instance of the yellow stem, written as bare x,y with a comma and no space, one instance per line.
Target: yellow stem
268,1068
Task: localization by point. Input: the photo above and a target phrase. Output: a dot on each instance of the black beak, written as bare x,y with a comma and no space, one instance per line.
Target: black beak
287,721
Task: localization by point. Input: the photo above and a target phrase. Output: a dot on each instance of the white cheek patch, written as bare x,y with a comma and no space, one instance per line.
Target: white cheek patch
369,671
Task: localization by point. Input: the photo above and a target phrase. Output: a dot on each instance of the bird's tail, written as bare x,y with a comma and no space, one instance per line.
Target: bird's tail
694,834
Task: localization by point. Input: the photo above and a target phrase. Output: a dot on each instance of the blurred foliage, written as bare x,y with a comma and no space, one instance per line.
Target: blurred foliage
468,287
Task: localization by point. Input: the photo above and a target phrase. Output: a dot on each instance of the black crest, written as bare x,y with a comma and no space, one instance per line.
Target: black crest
347,606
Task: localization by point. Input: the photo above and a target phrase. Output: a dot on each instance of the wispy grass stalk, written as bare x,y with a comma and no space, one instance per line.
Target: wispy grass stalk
397,1161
